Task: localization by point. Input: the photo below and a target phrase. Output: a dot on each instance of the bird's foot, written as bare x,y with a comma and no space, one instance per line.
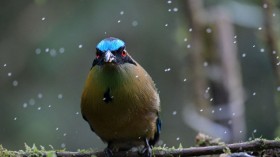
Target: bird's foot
146,151
108,152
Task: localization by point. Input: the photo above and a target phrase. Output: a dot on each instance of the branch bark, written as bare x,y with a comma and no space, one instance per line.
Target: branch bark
251,146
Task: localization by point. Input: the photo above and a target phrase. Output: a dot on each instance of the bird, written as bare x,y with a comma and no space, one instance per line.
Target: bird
120,101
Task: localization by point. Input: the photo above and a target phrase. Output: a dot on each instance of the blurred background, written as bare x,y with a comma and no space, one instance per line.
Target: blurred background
213,62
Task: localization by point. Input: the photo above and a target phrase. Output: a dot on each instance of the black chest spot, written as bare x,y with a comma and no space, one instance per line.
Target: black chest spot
107,97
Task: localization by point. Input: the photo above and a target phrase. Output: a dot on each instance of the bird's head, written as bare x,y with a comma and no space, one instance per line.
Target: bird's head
111,51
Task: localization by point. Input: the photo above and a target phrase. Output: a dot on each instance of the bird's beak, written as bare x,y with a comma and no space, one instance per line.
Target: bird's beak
109,57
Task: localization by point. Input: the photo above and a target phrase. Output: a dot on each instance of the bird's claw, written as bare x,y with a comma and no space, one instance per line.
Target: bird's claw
108,152
146,152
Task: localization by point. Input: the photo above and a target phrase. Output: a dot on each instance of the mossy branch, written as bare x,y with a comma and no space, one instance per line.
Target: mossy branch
257,145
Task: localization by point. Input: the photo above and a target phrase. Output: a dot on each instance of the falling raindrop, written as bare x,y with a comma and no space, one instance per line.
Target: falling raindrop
39,108
169,2
134,23
178,138
243,55
254,93
264,5
167,69
205,64
43,18
64,134
47,50
209,30
273,14
119,21
56,129
5,65
175,9
262,50
201,110
174,113
260,28
185,80
80,46
255,131
40,95
38,51
122,12
24,105
59,96
31,101
9,74
61,50
189,46
77,113
63,145
190,30
166,25
185,39
15,118
15,83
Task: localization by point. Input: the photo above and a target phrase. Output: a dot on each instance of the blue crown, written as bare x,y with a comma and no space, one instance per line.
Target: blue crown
110,44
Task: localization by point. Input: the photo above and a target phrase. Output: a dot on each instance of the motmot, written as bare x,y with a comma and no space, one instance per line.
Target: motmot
120,101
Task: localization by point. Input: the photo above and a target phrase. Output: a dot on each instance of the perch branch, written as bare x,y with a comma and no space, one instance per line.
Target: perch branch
251,146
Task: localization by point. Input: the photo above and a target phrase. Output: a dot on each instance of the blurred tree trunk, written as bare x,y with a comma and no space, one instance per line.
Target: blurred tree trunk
271,40
216,73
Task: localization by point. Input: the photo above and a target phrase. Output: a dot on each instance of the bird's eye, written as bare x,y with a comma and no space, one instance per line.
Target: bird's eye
98,54
123,53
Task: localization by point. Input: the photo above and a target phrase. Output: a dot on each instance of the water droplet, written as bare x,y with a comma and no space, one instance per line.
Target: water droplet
273,14
185,80
56,129
24,105
209,30
211,99
31,101
264,5
278,88
59,96
240,131
136,76
190,30
185,39
205,64
64,134
255,131
63,145
47,50
174,113
167,69
254,45
225,132
9,74
189,46
80,46
169,2
61,50
220,109
274,52
169,10
37,51
166,25
15,118
243,55
5,65
43,18
50,106
235,37
260,28
39,108
254,93
234,41
233,114
134,23
213,111
15,83
262,50
119,21
77,113
122,12
178,138
201,110
40,95
175,9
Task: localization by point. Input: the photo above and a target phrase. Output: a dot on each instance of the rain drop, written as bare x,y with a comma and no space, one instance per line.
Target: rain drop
80,46
43,18
15,118
278,88
59,96
5,65
40,95
273,14
185,80
264,5
24,105
56,129
211,99
185,39
169,2
174,113
61,50
50,106
209,30
189,46
175,9
254,45
47,50
167,69
169,10
243,55
119,21
260,28
201,110
122,12
64,134
255,131
134,23
77,113
31,101
205,64
166,25
235,37
15,83
38,51
234,42
190,30
9,74
220,109
254,93
63,145
262,50
39,108
178,138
